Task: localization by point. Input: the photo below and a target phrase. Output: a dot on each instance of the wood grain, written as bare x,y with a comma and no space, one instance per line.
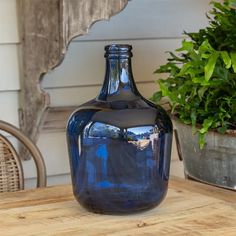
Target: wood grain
189,209
48,27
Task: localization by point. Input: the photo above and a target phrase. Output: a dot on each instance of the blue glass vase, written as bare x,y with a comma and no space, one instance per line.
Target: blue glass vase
119,144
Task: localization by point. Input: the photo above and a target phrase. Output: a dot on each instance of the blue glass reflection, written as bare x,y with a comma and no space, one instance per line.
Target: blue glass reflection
116,168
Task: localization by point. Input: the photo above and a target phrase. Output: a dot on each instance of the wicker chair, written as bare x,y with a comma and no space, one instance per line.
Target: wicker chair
11,171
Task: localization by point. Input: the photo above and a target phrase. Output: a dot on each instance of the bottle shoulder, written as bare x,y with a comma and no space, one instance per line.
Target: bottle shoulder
136,113
140,103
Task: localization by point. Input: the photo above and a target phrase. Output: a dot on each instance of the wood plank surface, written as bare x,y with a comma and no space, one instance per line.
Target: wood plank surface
189,209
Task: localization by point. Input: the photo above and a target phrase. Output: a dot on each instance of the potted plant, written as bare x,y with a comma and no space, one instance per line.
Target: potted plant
201,90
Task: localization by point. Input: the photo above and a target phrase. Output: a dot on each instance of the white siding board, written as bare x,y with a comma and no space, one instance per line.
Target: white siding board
62,179
9,107
54,150
152,19
9,67
8,22
72,96
84,63
51,180
29,168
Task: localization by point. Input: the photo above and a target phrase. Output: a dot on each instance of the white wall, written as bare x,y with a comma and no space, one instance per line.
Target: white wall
151,26
9,67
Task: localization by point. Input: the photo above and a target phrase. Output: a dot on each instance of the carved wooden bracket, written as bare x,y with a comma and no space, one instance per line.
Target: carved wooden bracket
48,27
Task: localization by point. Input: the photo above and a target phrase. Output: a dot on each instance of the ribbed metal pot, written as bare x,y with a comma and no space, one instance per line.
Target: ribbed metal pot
215,164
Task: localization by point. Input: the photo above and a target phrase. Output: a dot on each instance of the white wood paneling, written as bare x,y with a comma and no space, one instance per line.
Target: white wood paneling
8,22
62,179
54,150
152,19
72,96
9,107
9,67
84,63
51,180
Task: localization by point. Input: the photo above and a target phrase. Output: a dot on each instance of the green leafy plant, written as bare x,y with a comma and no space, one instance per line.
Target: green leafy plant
201,82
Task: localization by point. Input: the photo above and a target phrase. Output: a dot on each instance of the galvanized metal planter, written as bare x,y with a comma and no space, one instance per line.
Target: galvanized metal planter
215,164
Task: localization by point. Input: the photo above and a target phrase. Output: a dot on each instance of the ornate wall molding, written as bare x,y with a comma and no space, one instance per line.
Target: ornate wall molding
48,27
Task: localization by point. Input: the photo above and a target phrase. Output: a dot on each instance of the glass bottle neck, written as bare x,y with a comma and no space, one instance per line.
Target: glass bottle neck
119,83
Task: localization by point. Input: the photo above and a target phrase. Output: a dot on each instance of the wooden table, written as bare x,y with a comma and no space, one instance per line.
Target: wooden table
190,209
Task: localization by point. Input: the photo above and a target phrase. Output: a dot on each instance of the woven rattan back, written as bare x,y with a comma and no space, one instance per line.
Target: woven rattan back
11,171
11,174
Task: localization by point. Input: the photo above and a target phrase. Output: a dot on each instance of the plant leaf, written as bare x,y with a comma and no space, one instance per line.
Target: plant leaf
186,46
201,80
201,91
226,58
206,125
164,89
210,66
233,59
222,129
156,96
185,68
201,140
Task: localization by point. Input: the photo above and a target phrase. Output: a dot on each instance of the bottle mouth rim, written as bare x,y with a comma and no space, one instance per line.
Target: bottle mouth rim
118,47
118,50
